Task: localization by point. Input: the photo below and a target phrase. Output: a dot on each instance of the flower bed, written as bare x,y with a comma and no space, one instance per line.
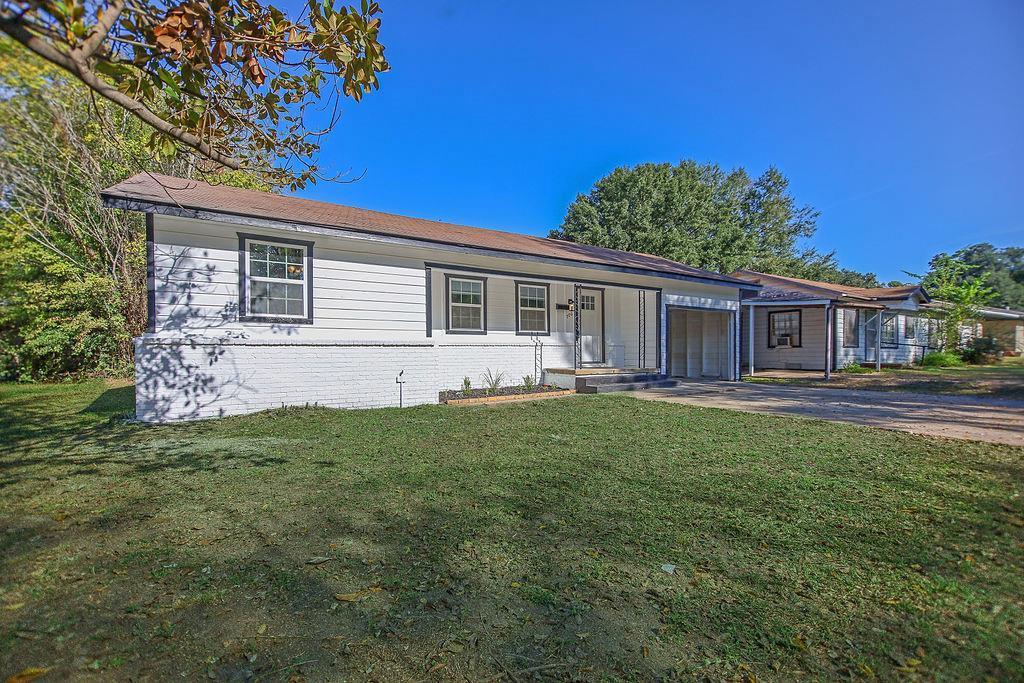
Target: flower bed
465,394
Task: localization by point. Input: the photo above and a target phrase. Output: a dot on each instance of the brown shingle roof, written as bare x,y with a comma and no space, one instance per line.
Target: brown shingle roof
776,286
169,192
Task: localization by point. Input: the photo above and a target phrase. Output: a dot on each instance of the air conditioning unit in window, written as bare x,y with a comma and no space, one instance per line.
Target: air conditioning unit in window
784,340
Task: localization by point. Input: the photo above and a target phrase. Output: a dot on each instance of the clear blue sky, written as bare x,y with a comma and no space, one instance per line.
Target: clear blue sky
903,123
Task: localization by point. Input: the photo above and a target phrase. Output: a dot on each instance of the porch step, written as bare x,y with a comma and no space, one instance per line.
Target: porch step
602,384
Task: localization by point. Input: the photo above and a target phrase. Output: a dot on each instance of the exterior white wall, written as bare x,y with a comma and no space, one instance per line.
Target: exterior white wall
370,322
906,351
810,355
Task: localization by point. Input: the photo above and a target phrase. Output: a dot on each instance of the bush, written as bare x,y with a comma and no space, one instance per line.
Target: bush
854,368
941,359
529,382
983,351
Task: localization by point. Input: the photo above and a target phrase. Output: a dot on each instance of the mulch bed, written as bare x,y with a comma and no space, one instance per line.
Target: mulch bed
458,394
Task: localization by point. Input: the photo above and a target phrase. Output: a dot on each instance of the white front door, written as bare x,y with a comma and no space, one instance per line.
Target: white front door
592,325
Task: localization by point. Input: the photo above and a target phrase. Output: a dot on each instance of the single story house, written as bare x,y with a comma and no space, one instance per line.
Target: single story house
258,300
798,324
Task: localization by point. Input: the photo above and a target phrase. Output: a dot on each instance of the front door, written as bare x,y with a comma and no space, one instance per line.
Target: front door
870,337
592,325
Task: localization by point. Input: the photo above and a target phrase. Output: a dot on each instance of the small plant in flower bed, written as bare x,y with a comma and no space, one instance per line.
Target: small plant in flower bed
855,368
492,387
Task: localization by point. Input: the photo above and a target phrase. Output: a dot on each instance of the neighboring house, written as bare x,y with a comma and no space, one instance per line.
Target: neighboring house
798,324
258,301
1005,325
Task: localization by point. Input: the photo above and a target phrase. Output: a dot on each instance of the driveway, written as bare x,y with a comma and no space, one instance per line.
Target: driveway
955,417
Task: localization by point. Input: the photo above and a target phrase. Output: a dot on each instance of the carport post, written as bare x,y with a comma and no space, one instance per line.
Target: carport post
750,335
829,313
878,342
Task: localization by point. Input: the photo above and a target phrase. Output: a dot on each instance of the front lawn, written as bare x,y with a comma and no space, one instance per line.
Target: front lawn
1005,380
582,538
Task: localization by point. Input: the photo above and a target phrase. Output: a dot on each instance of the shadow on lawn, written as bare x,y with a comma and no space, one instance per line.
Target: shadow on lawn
42,445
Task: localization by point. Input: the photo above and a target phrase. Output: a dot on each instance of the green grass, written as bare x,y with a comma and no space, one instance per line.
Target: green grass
486,542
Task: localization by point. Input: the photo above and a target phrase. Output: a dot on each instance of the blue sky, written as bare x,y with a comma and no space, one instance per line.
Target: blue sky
903,123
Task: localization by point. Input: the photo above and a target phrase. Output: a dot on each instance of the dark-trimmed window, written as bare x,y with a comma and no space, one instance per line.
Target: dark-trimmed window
532,308
467,305
275,280
783,329
851,328
889,330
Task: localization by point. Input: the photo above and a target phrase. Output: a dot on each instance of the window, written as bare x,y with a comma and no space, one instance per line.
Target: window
851,328
889,329
276,280
933,333
783,329
588,302
909,327
466,307
531,308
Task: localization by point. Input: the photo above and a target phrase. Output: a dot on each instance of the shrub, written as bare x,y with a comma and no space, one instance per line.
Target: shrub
983,351
852,367
941,359
466,384
529,382
493,380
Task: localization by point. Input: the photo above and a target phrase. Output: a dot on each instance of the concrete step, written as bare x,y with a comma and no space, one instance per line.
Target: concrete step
662,383
623,378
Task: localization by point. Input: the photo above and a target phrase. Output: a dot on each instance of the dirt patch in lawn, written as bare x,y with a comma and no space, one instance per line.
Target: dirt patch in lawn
1005,380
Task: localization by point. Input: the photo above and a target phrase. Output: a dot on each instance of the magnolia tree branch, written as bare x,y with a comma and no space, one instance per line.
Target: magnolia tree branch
81,70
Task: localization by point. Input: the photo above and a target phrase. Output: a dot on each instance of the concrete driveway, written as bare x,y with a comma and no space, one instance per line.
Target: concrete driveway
955,417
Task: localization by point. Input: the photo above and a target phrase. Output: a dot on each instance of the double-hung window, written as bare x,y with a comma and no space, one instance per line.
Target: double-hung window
889,330
467,307
531,308
276,283
783,329
851,328
909,327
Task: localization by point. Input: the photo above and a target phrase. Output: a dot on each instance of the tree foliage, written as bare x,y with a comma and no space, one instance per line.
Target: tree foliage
1003,270
703,216
232,80
959,292
72,274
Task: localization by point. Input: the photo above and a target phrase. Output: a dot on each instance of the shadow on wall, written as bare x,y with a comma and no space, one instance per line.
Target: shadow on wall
181,377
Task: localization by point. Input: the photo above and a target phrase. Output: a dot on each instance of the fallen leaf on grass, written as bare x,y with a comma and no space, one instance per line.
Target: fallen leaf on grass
26,675
358,595
13,606
318,560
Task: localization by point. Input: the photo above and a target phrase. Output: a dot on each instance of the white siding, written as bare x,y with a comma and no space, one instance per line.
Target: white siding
810,355
369,323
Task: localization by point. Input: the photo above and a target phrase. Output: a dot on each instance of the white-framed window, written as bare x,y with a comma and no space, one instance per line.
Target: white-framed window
783,329
277,282
467,307
588,302
909,327
531,308
889,329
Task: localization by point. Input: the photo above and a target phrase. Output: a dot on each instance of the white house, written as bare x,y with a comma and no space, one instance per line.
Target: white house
259,300
798,324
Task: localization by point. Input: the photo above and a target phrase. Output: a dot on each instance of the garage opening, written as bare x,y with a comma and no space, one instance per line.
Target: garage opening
699,344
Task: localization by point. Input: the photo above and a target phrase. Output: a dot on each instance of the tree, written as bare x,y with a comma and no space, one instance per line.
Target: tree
700,215
959,292
231,80
72,274
1003,270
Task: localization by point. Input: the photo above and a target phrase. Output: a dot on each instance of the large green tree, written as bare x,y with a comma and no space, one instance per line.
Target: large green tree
72,274
1003,270
701,215
959,291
